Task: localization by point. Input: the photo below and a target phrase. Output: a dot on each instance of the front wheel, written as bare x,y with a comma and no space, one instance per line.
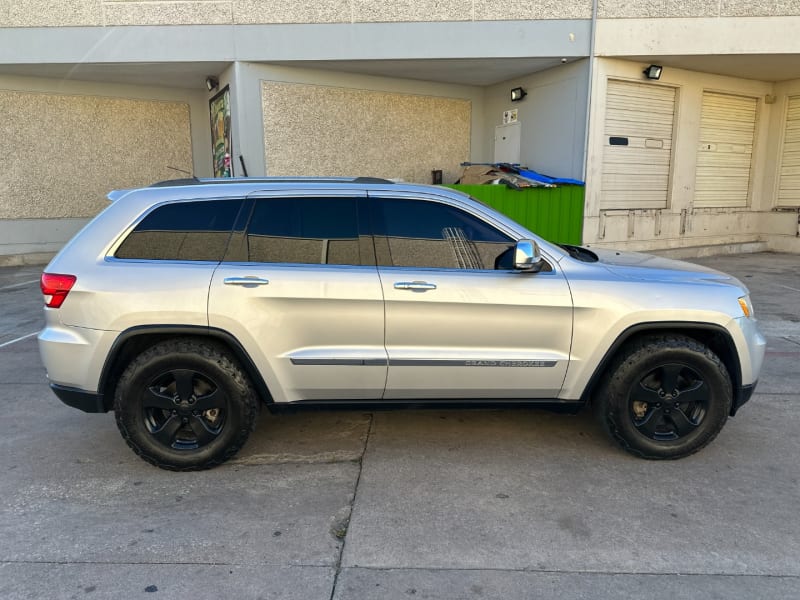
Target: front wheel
185,405
665,397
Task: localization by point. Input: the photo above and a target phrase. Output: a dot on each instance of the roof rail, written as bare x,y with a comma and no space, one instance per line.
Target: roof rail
372,180
174,182
224,180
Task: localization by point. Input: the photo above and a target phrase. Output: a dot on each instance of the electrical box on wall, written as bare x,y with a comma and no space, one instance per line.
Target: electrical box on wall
510,116
507,143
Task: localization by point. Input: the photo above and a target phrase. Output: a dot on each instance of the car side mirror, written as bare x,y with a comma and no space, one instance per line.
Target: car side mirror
527,256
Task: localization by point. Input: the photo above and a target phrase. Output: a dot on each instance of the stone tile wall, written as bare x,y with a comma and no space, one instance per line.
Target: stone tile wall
64,153
633,9
344,131
66,13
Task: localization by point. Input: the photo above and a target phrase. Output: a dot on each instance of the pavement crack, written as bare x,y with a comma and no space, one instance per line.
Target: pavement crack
334,457
535,571
341,520
790,340
160,563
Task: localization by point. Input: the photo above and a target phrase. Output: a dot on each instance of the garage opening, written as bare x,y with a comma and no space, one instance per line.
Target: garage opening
637,151
725,151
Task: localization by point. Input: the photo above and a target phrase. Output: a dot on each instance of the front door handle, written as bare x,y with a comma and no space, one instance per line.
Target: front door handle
417,286
245,281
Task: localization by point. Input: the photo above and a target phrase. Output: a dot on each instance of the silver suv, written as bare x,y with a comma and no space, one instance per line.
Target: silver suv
186,305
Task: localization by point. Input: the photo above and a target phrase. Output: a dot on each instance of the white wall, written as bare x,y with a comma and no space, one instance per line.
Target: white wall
717,35
552,117
781,226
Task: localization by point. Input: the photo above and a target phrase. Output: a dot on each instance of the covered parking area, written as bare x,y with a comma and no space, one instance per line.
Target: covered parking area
118,107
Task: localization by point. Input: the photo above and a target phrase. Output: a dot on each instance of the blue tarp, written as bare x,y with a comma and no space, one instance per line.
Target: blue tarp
528,174
533,175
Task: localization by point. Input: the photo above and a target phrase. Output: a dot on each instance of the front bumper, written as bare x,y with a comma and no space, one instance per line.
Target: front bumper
90,402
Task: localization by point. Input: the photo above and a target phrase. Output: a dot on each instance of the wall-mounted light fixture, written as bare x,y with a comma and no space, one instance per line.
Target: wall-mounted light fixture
518,94
653,72
212,83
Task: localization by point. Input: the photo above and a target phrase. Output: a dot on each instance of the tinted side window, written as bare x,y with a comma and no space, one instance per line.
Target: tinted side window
418,233
183,231
305,231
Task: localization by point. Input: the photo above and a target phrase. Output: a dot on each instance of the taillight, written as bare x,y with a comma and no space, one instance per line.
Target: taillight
55,288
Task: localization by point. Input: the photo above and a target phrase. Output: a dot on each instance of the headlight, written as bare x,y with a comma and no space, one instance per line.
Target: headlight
747,306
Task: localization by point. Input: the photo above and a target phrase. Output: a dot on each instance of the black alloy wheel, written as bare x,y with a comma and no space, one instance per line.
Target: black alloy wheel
664,396
184,409
185,404
669,402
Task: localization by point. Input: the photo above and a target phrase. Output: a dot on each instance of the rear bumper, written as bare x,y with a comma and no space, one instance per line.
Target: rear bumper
73,356
90,402
742,396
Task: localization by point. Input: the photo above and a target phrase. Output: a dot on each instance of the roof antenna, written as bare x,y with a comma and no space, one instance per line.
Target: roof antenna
189,173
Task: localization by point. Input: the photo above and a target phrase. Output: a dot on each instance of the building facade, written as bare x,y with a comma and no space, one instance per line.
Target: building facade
103,94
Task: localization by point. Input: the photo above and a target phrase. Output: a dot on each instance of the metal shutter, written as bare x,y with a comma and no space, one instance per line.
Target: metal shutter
637,146
727,129
789,189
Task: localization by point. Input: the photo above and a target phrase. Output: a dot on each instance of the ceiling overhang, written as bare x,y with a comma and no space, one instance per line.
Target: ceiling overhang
761,67
191,75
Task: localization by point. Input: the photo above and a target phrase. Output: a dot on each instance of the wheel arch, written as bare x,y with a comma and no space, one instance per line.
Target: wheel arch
133,341
716,337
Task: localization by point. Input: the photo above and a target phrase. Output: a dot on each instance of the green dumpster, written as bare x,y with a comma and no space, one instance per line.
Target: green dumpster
556,214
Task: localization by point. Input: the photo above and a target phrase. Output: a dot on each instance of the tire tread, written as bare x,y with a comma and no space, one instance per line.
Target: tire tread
626,363
226,363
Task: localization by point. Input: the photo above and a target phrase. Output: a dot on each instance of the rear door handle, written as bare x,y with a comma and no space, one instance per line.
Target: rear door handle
417,286
245,281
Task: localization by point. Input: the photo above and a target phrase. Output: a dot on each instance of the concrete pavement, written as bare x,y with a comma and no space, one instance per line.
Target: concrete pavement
404,504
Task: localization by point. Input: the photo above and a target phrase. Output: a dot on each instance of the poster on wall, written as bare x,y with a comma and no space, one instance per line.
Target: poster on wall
221,142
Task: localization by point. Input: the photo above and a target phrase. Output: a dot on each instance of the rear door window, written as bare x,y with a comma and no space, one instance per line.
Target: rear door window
307,230
183,231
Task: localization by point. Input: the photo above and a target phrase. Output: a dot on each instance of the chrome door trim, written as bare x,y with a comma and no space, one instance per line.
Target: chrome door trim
356,362
424,362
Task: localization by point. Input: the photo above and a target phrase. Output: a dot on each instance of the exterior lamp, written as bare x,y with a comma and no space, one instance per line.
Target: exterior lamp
212,83
653,72
518,94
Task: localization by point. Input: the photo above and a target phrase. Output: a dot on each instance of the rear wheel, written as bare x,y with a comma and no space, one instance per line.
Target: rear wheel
185,405
665,397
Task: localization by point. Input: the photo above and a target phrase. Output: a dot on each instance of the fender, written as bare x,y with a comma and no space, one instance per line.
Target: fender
725,349
111,369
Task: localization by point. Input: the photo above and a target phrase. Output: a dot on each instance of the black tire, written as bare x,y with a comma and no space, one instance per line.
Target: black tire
185,405
636,409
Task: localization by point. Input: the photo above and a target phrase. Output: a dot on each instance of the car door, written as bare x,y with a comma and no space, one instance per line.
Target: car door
300,290
460,323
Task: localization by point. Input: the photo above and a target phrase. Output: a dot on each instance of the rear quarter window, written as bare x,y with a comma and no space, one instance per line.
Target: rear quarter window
183,231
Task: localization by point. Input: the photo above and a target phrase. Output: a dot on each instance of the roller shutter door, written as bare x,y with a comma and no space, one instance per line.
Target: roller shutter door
725,152
637,145
789,190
